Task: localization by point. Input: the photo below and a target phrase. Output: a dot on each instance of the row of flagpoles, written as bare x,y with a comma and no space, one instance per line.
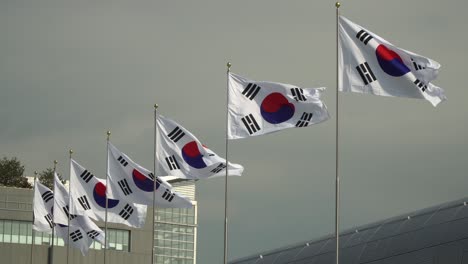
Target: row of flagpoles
366,63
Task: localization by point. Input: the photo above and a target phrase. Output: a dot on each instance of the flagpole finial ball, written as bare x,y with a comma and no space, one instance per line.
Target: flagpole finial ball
55,162
71,151
338,4
229,65
35,172
108,133
156,106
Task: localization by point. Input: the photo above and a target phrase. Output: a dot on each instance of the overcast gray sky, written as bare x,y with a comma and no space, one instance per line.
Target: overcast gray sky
71,70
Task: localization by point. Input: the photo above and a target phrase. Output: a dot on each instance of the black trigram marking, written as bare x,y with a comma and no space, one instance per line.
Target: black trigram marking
48,218
76,235
366,73
122,161
83,200
251,90
417,67
126,212
86,176
123,184
93,234
67,212
219,168
172,163
364,36
176,134
305,119
168,195
47,196
151,175
250,123
298,94
421,85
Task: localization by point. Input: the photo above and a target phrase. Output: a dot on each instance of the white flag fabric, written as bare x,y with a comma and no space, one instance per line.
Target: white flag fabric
369,64
61,200
82,223
88,197
256,108
182,155
42,207
82,233
136,183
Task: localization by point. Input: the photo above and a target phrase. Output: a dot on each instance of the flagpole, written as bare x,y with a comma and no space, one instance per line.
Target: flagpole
107,201
69,209
227,170
32,229
51,251
337,190
154,181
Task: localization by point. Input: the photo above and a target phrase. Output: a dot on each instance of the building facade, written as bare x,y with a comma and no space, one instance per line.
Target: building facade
175,235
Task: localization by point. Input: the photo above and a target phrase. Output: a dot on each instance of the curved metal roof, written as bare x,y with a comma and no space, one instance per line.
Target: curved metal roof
421,236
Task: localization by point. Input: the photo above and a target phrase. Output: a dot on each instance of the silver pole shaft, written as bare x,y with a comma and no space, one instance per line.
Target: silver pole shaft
154,182
337,190
53,226
32,229
107,201
69,209
227,172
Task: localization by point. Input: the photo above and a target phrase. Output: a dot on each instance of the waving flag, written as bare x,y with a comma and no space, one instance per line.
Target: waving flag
88,197
61,200
370,64
258,108
181,154
43,208
82,233
136,183
62,213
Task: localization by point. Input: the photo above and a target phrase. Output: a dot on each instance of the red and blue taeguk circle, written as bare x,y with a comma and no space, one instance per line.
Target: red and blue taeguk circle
193,156
142,182
99,194
390,62
276,108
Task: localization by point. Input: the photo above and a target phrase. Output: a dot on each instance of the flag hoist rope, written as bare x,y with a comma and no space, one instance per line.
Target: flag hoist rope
51,249
155,164
337,184
227,169
32,229
107,200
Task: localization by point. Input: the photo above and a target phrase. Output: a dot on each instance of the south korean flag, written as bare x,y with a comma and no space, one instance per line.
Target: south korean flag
81,234
182,155
43,208
136,184
88,197
257,108
369,64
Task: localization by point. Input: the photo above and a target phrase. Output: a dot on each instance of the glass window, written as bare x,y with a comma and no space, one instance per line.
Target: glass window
7,232
29,234
23,232
1,231
15,231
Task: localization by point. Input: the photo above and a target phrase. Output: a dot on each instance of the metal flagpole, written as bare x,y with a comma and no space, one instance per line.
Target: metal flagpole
51,249
107,201
154,181
227,170
69,210
337,190
32,229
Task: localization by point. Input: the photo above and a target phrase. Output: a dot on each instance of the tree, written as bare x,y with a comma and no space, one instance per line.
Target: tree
46,177
11,173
